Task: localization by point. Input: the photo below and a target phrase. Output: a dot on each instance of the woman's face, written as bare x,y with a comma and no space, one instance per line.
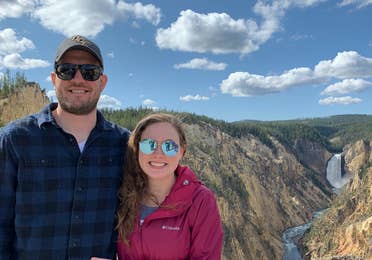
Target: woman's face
157,165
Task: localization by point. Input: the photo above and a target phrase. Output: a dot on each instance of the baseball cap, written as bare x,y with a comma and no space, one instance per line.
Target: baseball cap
78,42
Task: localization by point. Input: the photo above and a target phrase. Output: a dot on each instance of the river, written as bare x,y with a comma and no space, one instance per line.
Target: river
291,235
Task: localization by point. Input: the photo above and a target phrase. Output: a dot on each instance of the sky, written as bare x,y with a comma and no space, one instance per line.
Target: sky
226,59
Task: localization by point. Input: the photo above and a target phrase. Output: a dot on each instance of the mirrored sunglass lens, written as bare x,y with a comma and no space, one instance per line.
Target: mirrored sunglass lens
147,146
169,147
65,71
90,72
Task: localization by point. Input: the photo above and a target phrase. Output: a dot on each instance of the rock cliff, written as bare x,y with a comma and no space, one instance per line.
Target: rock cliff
260,192
345,231
24,101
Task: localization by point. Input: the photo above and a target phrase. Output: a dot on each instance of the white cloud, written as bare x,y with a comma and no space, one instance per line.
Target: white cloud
15,61
81,17
111,54
202,64
148,12
346,86
345,65
51,94
347,100
219,33
15,8
246,84
213,32
108,102
10,47
358,3
10,43
197,97
104,101
148,102
89,19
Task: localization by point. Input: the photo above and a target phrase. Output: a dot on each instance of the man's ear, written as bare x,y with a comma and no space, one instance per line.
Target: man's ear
53,77
103,80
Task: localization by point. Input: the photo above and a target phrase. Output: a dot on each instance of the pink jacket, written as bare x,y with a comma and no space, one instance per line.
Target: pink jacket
190,228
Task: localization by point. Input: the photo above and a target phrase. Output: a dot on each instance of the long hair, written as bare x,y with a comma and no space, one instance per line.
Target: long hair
135,182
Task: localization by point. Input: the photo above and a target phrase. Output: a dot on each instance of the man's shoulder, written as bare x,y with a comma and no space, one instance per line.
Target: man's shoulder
23,124
118,128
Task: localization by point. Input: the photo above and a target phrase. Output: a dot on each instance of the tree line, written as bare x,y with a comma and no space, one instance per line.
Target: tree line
10,83
342,128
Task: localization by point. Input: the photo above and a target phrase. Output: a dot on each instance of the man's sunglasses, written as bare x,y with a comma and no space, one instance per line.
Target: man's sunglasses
148,146
67,71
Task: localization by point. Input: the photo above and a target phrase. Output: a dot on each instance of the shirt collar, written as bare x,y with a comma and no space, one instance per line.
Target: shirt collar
46,117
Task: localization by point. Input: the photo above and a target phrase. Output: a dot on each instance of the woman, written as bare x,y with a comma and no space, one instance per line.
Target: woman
165,211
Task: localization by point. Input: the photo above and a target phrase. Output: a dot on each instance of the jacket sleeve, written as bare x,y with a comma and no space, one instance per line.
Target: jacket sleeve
206,226
8,173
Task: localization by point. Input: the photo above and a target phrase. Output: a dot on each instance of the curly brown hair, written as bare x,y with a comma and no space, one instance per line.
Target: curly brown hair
135,181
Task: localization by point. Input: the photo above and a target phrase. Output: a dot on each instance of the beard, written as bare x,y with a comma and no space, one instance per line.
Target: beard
81,109
77,107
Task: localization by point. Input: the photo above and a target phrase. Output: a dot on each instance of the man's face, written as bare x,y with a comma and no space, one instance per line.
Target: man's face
78,96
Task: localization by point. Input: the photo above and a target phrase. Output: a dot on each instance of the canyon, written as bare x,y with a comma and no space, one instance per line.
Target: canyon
265,186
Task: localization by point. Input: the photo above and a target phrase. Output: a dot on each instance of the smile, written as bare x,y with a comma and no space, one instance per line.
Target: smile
78,91
157,164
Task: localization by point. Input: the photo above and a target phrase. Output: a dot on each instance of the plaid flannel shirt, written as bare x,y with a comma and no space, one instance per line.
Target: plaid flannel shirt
55,201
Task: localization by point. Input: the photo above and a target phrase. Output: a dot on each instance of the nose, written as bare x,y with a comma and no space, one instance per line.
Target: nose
78,76
158,150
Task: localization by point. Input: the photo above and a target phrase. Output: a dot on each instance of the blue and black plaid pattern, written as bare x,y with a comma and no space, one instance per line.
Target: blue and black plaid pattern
55,202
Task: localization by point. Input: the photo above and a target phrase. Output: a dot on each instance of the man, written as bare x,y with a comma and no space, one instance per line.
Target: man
60,169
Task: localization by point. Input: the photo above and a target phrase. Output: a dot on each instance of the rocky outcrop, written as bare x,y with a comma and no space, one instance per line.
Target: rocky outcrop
260,192
357,155
23,101
312,155
345,231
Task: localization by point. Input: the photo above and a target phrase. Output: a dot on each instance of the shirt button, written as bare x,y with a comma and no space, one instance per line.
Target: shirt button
185,182
75,243
80,188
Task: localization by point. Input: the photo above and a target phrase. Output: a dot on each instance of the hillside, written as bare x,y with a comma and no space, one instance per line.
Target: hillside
339,130
345,231
23,101
266,176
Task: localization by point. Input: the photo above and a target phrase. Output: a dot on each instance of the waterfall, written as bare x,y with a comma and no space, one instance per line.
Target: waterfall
334,172
291,235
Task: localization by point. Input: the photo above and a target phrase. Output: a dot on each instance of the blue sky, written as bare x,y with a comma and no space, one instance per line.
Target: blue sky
229,60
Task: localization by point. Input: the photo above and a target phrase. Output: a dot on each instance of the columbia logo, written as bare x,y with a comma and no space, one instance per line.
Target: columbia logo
170,228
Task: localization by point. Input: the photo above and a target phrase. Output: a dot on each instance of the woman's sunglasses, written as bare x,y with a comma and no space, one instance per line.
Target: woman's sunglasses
148,146
67,71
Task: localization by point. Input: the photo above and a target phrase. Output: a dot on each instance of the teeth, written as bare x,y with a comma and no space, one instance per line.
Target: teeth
157,164
78,91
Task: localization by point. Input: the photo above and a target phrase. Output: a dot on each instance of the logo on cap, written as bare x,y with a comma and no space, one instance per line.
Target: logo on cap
81,40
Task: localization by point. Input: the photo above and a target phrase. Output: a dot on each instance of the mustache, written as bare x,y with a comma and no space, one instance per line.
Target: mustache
78,85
